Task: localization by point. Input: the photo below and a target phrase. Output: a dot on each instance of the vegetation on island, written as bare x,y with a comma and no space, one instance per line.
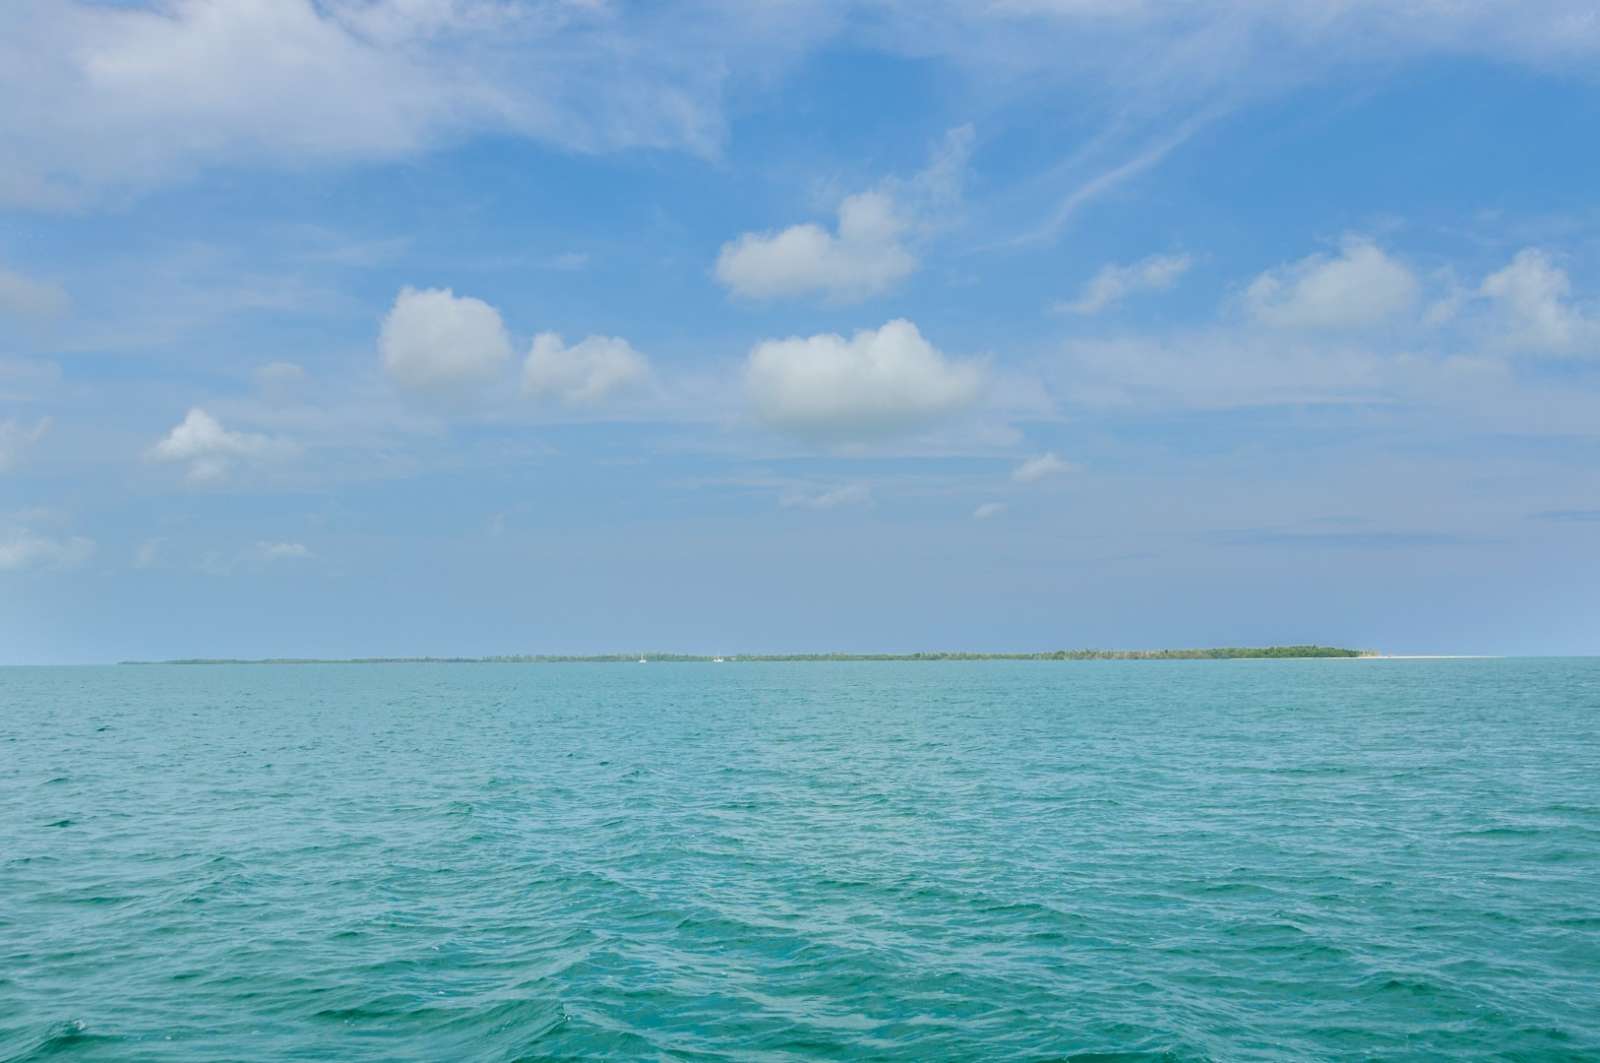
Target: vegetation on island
1221,653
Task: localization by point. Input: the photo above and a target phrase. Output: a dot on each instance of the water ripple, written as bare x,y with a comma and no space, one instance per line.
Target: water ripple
1090,861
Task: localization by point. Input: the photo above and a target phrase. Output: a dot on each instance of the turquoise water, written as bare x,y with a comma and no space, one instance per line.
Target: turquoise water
1180,860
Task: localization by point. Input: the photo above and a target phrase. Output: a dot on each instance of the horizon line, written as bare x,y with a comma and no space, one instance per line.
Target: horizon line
1301,651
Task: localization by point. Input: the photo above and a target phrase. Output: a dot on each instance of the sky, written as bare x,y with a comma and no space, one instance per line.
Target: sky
471,327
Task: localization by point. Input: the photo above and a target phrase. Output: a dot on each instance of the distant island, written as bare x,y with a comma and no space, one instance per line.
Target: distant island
1220,653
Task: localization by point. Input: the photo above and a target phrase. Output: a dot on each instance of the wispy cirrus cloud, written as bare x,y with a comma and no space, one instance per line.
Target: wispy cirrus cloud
99,97
1114,283
1352,540
826,498
124,96
259,554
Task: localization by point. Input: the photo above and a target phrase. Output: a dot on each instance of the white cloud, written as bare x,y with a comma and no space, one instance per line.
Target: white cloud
877,383
255,556
1360,288
1042,467
1114,283
867,253
100,96
212,451
1112,177
832,498
1532,294
435,341
268,552
988,510
593,369
24,549
1177,54
864,257
940,185
15,438
25,297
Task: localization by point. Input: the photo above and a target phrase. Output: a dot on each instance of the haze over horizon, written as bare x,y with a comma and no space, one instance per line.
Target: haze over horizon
477,327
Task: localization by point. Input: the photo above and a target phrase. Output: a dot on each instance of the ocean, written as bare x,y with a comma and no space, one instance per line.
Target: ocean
1184,860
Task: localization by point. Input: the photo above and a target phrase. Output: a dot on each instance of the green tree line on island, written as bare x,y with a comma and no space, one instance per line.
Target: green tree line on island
1217,653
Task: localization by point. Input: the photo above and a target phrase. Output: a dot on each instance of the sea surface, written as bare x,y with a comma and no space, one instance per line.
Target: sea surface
1231,860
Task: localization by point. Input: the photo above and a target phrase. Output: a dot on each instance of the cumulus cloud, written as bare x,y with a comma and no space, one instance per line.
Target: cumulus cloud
25,297
867,252
877,383
1042,467
831,498
434,341
589,371
1532,294
988,510
23,549
1359,288
212,451
865,256
16,437
1114,283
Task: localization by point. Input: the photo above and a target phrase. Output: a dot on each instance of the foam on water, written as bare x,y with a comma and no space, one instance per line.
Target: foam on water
1100,860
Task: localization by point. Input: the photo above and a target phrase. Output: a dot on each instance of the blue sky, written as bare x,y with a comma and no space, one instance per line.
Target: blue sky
491,326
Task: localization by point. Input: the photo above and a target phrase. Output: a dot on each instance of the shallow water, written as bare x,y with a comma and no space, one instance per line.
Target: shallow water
999,860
